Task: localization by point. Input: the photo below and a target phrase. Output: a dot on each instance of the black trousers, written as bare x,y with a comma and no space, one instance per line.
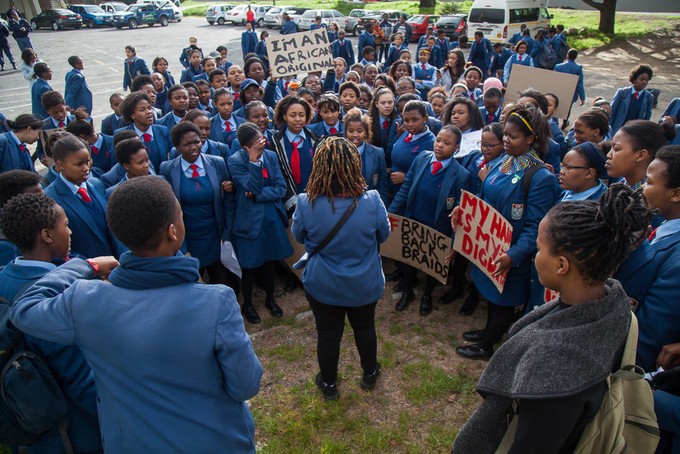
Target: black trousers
330,324
218,274
409,280
266,273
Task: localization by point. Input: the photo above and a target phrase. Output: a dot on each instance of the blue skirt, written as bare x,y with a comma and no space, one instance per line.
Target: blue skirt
271,244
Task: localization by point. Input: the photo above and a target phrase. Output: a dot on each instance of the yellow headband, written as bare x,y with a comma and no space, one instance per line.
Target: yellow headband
526,123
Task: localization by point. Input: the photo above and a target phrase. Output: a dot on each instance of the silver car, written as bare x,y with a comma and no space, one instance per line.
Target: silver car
353,20
217,13
274,17
328,16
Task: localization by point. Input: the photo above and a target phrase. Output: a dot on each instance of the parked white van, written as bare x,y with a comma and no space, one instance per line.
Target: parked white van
500,19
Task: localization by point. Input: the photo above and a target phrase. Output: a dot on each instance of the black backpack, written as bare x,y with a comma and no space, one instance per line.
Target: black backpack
31,401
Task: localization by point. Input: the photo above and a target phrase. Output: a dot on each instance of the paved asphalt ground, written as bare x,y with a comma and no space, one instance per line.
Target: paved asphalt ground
102,50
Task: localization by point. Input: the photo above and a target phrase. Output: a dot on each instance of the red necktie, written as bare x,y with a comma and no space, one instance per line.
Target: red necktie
342,43
94,149
82,192
285,86
472,96
519,58
61,124
408,138
194,171
130,62
236,96
227,127
436,167
652,235
146,137
482,164
490,118
423,66
333,131
265,174
295,161
385,124
22,147
636,95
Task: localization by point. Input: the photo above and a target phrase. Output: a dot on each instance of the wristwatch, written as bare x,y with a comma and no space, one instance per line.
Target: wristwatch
94,265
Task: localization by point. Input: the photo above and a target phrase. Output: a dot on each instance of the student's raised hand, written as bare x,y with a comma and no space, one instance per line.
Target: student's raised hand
483,172
397,177
256,149
449,258
669,357
106,265
454,217
228,186
401,128
503,265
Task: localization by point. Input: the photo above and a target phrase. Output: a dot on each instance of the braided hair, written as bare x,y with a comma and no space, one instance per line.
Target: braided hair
538,124
336,169
598,235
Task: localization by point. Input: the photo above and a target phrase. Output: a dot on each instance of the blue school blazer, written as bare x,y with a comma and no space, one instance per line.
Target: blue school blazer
248,178
495,118
673,110
130,71
101,160
10,155
456,179
161,137
320,130
39,87
76,92
374,170
621,104
248,42
218,134
346,51
214,149
651,276
571,67
88,239
433,125
111,124
167,120
216,170
49,124
487,51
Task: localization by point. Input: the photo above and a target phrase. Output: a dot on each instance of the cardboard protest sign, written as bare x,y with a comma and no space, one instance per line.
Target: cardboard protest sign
418,245
549,295
45,135
299,53
561,84
482,235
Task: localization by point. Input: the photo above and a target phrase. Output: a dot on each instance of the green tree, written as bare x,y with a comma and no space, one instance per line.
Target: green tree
607,9
427,3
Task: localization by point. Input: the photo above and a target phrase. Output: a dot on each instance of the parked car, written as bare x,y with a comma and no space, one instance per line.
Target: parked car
500,19
454,25
274,17
92,15
218,13
57,19
148,14
177,11
238,14
392,15
328,16
353,20
419,24
296,13
113,7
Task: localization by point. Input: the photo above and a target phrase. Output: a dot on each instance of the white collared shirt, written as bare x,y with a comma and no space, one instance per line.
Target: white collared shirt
188,172
73,187
141,133
231,122
98,143
292,136
445,162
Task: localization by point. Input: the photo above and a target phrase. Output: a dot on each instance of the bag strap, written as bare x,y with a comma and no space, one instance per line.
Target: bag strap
336,228
528,175
63,431
630,349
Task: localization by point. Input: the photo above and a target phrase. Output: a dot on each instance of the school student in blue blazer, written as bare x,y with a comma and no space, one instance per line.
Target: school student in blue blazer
343,48
76,92
43,73
248,40
373,166
431,189
571,67
366,38
57,116
499,59
527,133
260,221
520,57
100,145
114,121
132,156
14,152
223,126
393,52
148,399
40,227
634,102
82,198
13,183
133,66
651,274
202,185
137,109
672,110
481,53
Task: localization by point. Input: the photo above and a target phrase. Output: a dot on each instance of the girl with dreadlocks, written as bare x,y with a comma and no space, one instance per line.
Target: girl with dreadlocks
557,359
345,277
525,140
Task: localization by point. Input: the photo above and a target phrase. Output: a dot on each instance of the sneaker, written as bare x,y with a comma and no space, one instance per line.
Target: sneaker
368,381
330,392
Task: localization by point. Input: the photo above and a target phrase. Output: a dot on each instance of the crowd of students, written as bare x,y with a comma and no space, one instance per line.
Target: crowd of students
228,156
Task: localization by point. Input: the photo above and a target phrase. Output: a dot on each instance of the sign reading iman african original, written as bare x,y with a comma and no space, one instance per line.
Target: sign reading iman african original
299,53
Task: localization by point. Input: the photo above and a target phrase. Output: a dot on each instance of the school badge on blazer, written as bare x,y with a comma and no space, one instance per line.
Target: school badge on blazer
450,202
517,211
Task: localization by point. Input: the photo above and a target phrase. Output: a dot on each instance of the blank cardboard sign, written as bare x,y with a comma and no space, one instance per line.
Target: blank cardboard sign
561,84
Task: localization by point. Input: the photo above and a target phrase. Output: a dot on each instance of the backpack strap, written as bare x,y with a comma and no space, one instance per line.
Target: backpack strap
63,431
528,175
628,369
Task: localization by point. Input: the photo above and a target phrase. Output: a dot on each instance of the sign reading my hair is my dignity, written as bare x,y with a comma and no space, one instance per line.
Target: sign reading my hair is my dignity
299,53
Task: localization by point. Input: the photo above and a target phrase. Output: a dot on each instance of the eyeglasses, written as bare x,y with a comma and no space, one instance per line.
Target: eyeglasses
569,168
484,145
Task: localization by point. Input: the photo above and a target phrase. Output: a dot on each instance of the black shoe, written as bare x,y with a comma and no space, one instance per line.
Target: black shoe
405,299
394,276
250,314
368,381
399,287
291,284
425,305
470,304
453,294
14,66
2,68
273,308
474,336
474,351
329,392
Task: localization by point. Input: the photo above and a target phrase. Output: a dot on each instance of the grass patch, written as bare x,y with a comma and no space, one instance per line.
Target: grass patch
289,353
429,382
